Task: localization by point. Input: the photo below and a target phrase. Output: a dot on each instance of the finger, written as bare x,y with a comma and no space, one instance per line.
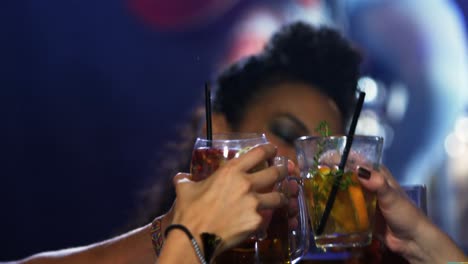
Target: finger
271,200
265,179
378,182
391,180
330,157
333,158
256,155
293,190
181,177
355,159
400,214
293,169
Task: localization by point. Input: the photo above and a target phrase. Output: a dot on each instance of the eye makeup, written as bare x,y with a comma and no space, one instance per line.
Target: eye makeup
287,127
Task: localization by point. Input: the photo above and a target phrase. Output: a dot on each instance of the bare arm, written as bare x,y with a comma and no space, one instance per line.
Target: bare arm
132,247
437,246
225,204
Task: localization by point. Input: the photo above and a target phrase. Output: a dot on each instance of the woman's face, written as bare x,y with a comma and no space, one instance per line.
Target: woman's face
289,111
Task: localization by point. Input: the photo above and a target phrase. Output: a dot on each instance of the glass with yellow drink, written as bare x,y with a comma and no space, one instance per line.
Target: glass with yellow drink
351,219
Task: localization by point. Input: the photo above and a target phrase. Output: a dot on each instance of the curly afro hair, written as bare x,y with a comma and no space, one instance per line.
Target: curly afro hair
300,53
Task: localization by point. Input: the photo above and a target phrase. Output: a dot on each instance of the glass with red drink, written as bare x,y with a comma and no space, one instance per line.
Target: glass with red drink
271,244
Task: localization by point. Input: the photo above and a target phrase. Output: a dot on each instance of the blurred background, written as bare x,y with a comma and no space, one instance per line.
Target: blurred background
90,90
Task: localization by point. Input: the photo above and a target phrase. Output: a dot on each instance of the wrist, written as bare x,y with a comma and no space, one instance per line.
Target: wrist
208,243
191,238
178,249
195,227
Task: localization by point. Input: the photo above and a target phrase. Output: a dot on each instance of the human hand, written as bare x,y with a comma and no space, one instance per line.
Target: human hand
228,202
408,231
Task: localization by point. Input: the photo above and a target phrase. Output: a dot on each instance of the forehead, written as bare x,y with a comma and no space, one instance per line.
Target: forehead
300,100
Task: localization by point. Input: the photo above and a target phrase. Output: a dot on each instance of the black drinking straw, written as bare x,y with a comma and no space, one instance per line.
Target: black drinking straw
209,133
344,158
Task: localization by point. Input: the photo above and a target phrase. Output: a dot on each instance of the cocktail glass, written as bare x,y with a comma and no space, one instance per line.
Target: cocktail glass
351,218
276,241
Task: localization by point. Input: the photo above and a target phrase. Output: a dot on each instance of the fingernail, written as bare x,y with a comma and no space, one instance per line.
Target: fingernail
363,173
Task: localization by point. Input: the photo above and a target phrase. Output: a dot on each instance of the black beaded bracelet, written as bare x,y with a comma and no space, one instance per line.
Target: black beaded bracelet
192,239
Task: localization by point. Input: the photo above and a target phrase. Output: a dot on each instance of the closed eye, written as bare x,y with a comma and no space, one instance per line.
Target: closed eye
288,128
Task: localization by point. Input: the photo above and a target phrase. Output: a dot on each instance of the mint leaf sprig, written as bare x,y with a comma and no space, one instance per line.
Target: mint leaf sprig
320,193
324,131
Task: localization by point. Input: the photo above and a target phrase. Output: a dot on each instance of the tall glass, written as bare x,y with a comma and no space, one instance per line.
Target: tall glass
351,219
275,241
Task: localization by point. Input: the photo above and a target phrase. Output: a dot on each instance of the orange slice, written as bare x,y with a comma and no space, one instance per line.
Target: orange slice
341,212
359,204
324,170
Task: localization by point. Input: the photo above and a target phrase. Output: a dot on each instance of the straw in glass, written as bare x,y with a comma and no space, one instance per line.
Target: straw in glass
344,158
209,132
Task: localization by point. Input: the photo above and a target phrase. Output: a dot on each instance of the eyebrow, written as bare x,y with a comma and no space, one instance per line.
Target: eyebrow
296,121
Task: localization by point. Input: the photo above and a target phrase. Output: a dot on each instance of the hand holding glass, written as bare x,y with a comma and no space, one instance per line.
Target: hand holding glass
271,242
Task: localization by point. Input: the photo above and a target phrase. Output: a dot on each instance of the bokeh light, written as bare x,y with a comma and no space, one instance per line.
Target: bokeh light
369,86
398,100
461,129
454,147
